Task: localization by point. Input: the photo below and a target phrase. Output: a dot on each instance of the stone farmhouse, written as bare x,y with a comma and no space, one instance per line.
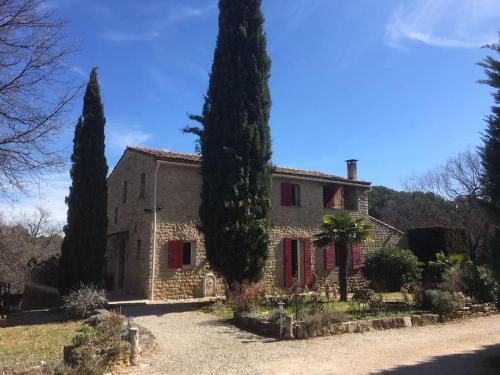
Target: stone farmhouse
156,252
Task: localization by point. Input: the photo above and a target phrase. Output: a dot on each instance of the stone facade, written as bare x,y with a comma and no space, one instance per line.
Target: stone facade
177,201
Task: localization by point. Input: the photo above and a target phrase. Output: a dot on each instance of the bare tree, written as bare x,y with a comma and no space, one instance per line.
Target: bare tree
26,238
458,178
33,96
459,182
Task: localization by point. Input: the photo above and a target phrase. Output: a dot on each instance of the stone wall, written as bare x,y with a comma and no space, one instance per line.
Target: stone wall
178,202
135,222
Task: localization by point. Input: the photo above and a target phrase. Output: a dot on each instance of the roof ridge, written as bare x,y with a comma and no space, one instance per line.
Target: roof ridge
193,158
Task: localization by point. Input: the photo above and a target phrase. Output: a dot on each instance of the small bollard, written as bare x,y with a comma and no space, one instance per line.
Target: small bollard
133,337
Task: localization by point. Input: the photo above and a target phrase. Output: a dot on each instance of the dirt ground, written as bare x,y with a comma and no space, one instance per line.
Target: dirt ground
194,342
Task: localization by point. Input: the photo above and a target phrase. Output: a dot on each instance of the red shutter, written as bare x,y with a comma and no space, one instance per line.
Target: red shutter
330,258
174,254
307,262
287,261
286,194
357,260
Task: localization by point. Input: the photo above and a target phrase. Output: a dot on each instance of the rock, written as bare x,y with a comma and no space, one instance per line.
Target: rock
351,327
365,325
388,323
430,319
338,328
377,324
417,320
403,321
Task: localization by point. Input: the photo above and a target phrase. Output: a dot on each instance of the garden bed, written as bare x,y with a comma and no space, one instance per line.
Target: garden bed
326,325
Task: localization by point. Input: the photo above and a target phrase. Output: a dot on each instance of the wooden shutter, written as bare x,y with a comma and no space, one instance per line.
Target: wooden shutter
174,254
307,262
286,194
330,258
357,260
287,261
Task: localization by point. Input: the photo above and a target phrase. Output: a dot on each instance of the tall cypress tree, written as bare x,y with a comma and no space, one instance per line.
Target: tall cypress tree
490,152
235,145
83,248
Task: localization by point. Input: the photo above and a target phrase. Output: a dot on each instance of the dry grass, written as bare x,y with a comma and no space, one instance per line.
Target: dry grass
24,346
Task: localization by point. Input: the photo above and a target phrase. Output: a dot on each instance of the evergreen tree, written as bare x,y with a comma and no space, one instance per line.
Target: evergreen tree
236,146
84,244
490,152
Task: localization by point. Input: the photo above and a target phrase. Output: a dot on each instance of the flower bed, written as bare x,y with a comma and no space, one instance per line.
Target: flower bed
258,323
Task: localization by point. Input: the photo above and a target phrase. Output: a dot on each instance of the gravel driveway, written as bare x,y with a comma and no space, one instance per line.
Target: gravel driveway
194,342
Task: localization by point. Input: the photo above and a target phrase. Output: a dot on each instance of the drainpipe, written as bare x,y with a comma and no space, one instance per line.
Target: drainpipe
155,204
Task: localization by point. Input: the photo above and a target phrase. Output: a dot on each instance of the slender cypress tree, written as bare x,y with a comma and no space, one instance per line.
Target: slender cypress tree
490,152
235,145
84,244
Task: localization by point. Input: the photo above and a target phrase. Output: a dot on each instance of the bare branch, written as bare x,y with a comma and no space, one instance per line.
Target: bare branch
33,96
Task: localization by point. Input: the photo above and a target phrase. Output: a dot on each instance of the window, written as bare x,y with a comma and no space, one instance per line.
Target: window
290,195
138,250
124,192
186,254
115,219
142,186
332,196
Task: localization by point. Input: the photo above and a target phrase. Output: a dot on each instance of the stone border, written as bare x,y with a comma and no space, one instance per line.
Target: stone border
305,331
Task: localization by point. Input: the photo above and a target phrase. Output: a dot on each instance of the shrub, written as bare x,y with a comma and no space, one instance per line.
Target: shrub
297,298
364,295
325,288
443,302
325,318
389,268
452,280
97,350
244,297
479,283
82,302
377,302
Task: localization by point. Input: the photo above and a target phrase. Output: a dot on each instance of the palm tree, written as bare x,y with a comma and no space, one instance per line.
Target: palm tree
342,229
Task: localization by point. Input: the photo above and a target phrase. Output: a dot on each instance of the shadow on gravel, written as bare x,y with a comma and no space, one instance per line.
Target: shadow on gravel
137,310
485,361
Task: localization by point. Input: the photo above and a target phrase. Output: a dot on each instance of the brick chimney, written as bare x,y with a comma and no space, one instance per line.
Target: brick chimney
352,169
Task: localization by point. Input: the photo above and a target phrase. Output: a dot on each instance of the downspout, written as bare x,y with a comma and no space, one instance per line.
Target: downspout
155,204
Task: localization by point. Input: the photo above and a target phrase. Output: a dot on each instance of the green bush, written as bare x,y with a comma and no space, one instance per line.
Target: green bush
443,302
479,283
389,268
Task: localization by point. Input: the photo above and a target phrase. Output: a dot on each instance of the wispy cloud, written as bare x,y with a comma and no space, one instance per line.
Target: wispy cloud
79,71
119,136
444,23
122,37
169,16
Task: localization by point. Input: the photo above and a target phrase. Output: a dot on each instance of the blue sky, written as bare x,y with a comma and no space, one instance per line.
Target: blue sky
392,83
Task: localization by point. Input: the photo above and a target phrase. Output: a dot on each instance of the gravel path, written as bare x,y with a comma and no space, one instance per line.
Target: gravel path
194,342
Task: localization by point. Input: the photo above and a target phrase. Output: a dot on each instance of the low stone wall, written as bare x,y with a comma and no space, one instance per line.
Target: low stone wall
37,296
256,325
302,330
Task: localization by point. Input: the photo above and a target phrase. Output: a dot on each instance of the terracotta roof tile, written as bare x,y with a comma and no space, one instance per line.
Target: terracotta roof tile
195,159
